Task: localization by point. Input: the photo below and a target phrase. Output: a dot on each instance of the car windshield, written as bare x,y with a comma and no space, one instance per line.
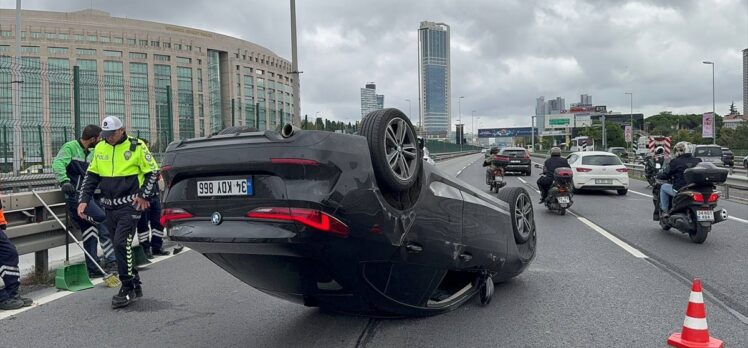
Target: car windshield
601,160
708,152
513,153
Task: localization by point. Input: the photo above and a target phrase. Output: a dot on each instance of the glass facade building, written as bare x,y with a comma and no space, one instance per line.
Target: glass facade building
215,81
434,79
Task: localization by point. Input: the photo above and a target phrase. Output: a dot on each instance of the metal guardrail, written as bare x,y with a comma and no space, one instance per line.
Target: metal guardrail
448,155
31,227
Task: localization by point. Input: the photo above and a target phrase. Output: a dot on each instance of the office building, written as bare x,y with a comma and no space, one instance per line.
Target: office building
434,79
370,100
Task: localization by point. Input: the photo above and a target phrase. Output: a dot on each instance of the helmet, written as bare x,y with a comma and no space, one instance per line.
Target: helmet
680,149
555,151
494,150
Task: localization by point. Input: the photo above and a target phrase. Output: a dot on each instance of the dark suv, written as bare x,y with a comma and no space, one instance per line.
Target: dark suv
519,160
728,158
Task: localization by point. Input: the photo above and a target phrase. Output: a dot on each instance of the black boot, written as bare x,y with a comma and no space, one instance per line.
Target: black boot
160,252
27,302
148,253
11,303
125,296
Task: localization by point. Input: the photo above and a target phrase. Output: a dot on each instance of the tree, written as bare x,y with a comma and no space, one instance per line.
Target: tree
614,135
305,125
319,124
733,110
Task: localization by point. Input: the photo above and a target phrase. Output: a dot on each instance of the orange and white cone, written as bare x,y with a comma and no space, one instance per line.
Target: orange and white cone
695,333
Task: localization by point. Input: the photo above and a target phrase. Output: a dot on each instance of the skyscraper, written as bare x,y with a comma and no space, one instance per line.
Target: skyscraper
540,108
555,106
745,82
585,99
370,100
434,79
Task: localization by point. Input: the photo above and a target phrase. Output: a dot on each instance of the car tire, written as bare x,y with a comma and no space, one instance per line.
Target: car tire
236,130
521,212
389,133
623,192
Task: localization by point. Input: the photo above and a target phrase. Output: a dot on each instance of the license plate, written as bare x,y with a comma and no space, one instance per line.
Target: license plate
704,215
497,178
514,161
563,199
603,181
218,188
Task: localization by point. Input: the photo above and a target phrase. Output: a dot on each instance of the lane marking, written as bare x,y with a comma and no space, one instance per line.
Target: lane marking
641,194
63,293
633,251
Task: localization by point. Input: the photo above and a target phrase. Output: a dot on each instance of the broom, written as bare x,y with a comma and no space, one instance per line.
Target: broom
109,279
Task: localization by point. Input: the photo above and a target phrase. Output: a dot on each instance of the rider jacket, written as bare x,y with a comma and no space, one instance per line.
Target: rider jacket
674,171
554,162
71,163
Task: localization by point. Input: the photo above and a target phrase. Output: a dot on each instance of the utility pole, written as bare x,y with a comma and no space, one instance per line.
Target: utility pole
459,115
295,67
16,82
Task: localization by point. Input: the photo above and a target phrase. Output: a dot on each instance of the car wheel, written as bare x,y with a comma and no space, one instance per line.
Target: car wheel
394,150
236,130
523,221
623,192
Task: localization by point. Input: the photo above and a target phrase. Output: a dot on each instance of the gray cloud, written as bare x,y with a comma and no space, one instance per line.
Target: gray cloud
504,53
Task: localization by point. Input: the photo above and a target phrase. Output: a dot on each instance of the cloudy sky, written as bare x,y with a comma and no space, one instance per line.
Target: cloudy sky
504,53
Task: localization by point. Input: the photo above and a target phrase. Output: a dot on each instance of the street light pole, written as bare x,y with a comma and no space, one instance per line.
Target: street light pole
714,115
459,121
472,124
631,115
17,139
533,133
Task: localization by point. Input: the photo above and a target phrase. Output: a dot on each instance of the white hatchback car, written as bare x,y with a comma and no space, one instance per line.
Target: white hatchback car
599,170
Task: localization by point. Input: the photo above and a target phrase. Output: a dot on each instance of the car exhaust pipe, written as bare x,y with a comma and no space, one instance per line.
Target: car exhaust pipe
289,130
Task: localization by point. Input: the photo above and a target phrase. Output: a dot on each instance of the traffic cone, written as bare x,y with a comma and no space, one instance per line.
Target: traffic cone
695,333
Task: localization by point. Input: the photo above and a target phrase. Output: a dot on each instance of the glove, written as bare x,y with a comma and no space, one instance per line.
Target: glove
68,188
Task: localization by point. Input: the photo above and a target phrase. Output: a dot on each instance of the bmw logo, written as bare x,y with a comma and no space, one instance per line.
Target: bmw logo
216,218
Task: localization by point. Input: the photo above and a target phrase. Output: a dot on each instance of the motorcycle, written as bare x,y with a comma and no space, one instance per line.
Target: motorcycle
652,165
559,195
495,172
694,208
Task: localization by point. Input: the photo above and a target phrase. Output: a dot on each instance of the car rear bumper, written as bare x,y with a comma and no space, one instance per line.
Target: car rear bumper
616,182
518,167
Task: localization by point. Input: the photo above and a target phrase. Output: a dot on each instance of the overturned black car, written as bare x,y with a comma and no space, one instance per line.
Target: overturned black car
357,224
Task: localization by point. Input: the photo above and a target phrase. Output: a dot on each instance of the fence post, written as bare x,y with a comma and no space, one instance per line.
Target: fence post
170,119
257,117
41,145
76,100
65,134
5,146
41,265
233,113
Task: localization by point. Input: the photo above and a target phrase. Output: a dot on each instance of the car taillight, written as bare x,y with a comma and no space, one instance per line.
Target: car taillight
698,197
583,170
171,214
622,170
308,217
297,161
713,197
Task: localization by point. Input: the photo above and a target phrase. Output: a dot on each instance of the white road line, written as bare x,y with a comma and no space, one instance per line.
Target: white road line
62,293
612,238
729,217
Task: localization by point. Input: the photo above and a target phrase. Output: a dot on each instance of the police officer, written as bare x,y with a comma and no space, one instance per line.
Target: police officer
150,232
551,164
126,173
9,272
70,167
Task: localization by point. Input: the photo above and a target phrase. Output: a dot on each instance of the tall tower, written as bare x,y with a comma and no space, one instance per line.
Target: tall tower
434,79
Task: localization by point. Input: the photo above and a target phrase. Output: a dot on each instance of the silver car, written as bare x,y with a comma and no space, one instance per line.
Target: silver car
709,153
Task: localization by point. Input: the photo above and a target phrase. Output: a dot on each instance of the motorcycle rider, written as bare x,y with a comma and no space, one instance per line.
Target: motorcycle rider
674,172
546,180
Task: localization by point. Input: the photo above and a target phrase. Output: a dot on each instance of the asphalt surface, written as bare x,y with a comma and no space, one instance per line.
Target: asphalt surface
581,290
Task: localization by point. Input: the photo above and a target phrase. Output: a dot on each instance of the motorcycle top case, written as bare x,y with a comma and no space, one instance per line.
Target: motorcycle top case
705,173
563,172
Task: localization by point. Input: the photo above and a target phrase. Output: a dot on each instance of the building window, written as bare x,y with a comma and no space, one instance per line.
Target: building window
161,57
4,48
178,47
63,36
91,38
199,79
114,89
117,40
214,92
51,36
186,103
36,35
155,44
60,101
6,33
164,120
188,47
138,55
199,62
85,51
89,92
112,53
259,71
58,50
143,42
104,39
198,49
131,41
77,37
184,60
30,49
166,45
139,104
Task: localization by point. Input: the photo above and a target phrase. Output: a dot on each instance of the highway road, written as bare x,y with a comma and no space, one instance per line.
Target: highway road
605,275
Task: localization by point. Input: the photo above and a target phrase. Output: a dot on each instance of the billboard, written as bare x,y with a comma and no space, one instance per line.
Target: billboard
555,121
505,132
707,128
583,120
